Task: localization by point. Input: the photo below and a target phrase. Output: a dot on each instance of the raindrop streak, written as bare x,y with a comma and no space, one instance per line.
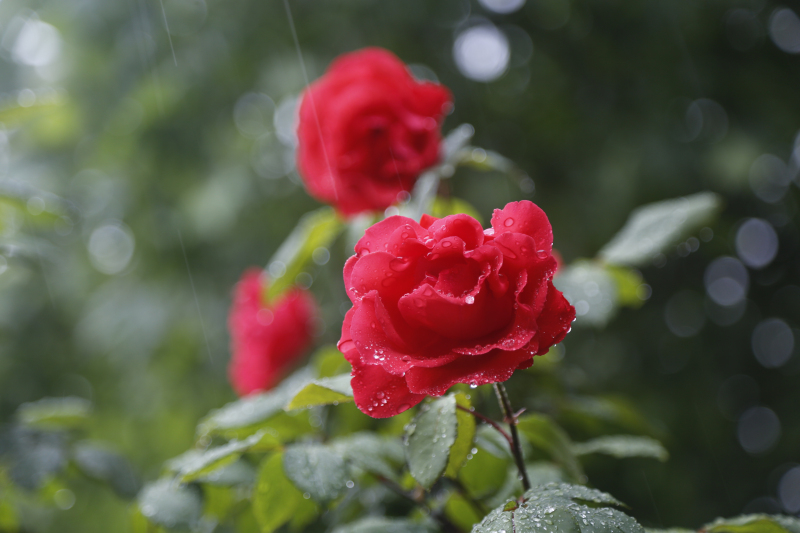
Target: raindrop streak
194,292
169,36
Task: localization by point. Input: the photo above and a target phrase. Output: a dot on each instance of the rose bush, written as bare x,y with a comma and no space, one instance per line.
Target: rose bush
444,302
367,130
266,340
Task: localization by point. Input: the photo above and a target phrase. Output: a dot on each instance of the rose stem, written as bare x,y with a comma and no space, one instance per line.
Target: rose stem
511,420
489,421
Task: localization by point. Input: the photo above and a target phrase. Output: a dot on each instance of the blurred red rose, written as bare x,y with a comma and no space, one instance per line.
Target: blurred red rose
444,302
367,130
266,340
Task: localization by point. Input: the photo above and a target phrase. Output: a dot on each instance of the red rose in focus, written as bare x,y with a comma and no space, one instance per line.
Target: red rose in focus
266,340
367,130
444,302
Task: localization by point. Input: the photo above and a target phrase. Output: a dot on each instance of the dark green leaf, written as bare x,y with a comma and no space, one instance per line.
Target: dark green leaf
756,523
622,446
317,229
323,391
547,437
170,504
316,469
55,413
275,499
429,438
465,436
652,228
102,464
561,508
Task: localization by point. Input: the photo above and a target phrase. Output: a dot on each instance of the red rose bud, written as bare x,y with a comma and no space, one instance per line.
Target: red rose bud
266,340
367,130
444,302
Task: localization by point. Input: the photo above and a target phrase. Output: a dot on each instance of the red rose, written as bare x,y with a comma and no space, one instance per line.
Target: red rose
444,302
367,130
266,340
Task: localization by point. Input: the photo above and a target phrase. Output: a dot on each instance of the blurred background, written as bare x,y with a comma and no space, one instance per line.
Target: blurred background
146,160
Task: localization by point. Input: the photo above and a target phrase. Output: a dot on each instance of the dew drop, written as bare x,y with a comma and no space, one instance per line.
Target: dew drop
447,244
508,222
470,299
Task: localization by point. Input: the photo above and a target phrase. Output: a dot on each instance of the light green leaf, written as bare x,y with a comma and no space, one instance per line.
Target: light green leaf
465,436
16,115
323,391
429,438
547,437
629,285
55,413
756,523
652,228
235,474
375,524
316,469
165,502
248,415
196,464
275,499
460,511
317,229
370,452
591,289
670,530
622,446
330,362
484,473
8,515
562,508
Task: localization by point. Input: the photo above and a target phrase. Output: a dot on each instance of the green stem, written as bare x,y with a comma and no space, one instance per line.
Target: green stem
511,420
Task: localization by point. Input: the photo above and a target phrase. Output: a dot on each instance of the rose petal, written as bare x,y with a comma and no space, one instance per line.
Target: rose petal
463,226
376,238
554,320
524,217
379,393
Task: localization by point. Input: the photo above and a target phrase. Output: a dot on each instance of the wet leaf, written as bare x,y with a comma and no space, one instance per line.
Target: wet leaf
98,462
317,470
324,391
370,452
561,508
591,289
539,473
168,503
197,464
622,446
652,228
429,438
374,524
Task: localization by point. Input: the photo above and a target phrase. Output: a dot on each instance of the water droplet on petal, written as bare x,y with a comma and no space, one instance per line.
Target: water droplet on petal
447,244
470,299
508,222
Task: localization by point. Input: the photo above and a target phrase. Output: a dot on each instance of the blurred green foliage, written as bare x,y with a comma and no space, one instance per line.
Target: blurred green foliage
145,163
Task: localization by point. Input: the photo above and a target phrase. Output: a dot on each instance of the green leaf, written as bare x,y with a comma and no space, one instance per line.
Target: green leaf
316,469
670,530
195,464
275,499
591,289
429,438
370,452
561,508
547,437
168,503
55,413
376,524
236,474
317,229
16,115
756,523
652,228
484,473
9,522
465,436
629,285
460,511
330,362
622,446
324,391
99,463
248,415
443,207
